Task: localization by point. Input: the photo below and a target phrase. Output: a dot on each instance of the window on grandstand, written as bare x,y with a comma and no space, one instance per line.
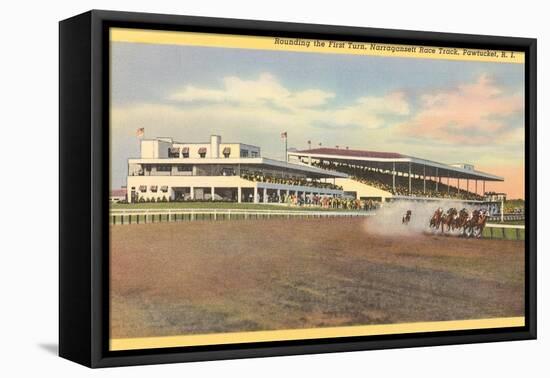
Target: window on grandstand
163,168
244,153
228,172
185,168
173,152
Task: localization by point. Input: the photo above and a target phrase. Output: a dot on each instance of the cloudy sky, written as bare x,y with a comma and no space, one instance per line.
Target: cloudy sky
448,111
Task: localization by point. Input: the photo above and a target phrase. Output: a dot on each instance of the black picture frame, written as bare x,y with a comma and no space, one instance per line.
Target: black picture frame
84,191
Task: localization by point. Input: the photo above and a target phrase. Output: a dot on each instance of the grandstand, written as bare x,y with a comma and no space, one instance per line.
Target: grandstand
385,175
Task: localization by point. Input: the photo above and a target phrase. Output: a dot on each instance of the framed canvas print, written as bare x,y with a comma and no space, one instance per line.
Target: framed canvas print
251,188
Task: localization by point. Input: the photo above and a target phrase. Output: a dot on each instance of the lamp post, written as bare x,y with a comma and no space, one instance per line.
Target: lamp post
501,209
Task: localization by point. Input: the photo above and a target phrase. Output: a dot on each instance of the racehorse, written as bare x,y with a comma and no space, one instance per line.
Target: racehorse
475,224
407,217
435,221
480,225
461,220
448,219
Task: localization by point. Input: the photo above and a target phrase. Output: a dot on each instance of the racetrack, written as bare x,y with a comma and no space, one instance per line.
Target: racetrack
205,277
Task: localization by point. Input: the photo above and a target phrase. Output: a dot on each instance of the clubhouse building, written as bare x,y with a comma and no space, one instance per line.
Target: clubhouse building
172,171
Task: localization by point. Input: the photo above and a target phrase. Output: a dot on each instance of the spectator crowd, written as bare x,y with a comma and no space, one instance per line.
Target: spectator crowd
384,181
327,202
295,181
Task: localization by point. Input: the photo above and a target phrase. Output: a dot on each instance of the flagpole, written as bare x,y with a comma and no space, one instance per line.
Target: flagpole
139,143
285,136
286,148
140,133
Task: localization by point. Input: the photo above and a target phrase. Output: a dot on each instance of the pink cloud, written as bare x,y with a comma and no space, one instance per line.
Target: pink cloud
472,113
514,180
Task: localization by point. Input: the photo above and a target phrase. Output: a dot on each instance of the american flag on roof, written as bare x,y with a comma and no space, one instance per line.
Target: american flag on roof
140,132
284,135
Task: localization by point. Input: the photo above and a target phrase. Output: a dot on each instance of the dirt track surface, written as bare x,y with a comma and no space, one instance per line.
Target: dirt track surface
232,276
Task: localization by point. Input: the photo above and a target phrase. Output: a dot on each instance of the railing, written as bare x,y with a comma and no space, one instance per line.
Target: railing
137,216
433,199
504,231
507,217
140,216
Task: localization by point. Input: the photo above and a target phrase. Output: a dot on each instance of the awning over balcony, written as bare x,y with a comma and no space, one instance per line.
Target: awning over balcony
227,151
185,150
142,188
154,188
164,188
202,150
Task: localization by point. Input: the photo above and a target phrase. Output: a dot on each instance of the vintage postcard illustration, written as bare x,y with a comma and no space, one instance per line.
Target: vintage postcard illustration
270,188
